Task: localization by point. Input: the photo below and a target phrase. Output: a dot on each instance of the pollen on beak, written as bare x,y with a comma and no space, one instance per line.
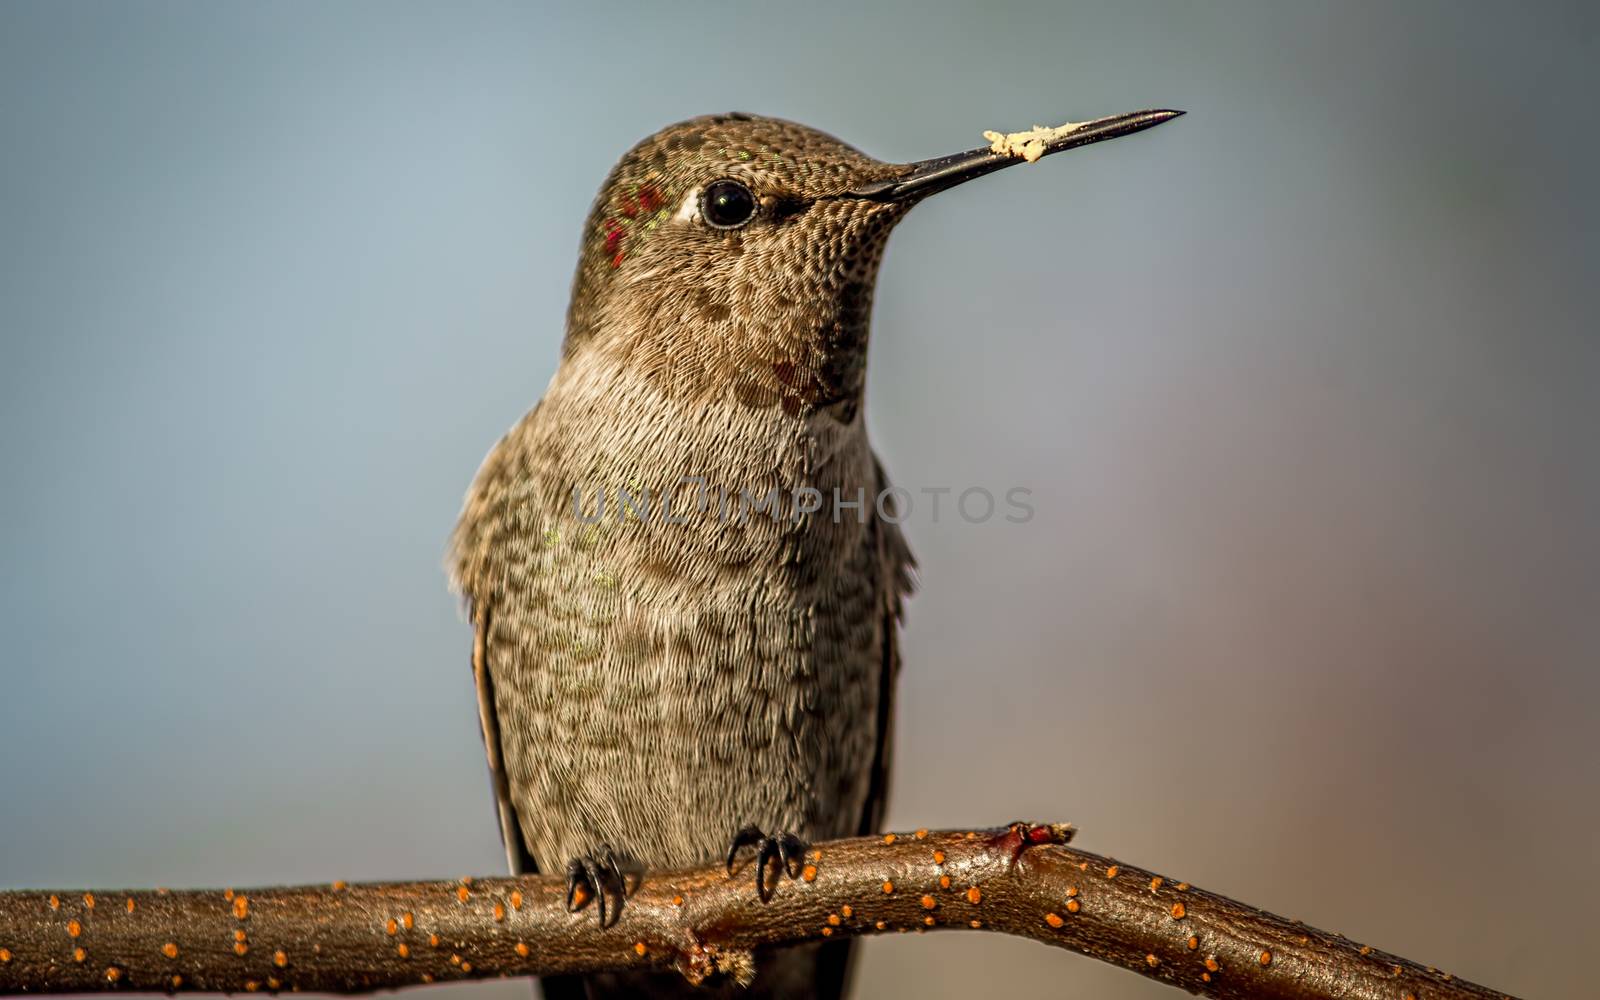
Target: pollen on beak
926,177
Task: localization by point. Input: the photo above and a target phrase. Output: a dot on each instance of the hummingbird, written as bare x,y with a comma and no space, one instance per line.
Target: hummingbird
684,567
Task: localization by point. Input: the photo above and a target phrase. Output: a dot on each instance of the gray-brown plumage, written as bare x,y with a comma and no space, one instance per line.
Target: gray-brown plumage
654,681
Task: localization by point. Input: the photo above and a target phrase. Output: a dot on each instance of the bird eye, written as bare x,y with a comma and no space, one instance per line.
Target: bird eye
727,204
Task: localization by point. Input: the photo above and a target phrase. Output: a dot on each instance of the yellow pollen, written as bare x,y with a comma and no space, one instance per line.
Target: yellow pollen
1053,919
170,949
1030,144
639,948
280,958
522,949
74,928
974,895
241,907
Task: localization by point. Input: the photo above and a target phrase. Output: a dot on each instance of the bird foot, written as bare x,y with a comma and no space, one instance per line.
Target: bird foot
784,848
592,877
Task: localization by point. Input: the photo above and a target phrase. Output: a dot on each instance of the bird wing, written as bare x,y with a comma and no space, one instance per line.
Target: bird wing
831,971
517,855
474,565
475,554
896,581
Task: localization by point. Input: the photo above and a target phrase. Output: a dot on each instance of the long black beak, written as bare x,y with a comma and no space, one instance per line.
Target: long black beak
927,177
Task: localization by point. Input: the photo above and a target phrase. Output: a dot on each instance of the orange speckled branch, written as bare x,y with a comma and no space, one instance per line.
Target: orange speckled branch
1022,880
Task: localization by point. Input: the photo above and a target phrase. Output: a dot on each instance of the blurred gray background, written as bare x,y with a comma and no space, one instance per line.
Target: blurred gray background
1304,383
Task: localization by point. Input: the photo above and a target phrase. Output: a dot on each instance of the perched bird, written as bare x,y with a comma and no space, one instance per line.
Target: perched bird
683,565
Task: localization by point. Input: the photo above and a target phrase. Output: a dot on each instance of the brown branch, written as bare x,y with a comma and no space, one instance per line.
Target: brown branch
1020,880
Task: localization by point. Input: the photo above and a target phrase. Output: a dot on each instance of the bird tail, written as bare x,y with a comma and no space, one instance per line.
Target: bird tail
817,971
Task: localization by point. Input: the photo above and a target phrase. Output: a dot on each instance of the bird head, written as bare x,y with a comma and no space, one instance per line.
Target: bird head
735,256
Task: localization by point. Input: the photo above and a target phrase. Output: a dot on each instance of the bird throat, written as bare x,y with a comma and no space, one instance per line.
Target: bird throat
787,332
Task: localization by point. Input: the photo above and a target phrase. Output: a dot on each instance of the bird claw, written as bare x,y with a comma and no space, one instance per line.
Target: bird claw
595,875
785,848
